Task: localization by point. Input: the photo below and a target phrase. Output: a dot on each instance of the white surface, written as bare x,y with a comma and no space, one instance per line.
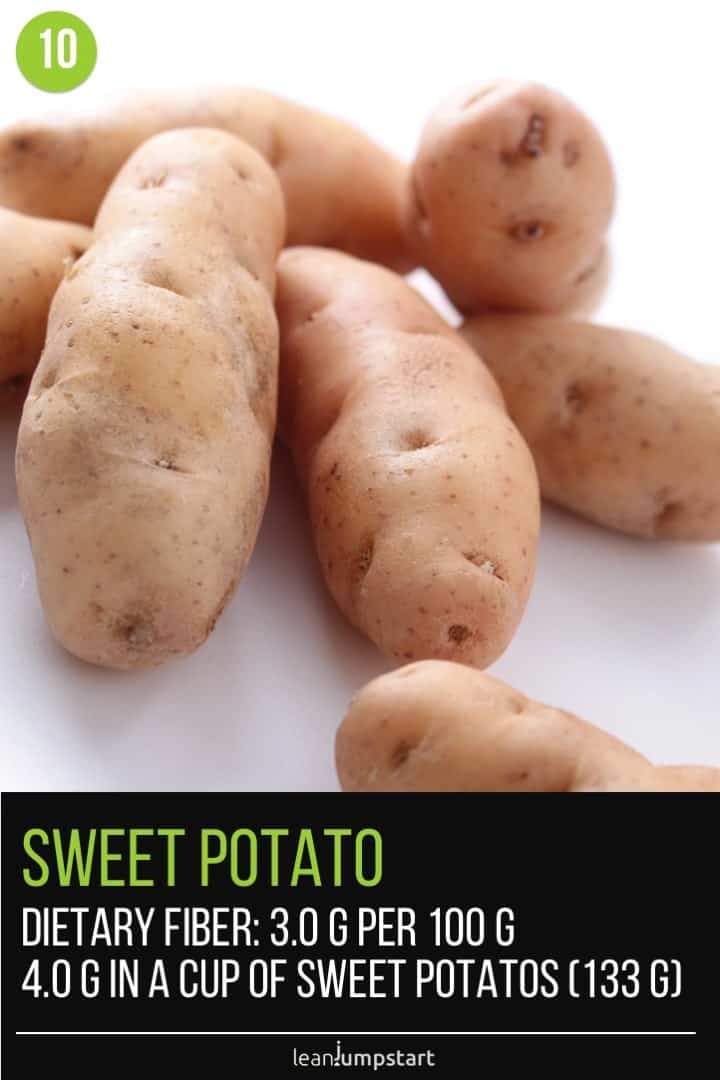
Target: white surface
623,632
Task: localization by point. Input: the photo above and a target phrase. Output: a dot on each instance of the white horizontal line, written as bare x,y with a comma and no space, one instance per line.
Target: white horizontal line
390,1034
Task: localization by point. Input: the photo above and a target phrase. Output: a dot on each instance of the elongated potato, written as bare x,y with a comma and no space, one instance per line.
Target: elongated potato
144,446
341,189
436,726
423,497
34,254
512,194
624,430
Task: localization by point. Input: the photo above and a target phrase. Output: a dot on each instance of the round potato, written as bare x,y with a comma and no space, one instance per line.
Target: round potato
624,430
423,497
438,726
144,447
512,192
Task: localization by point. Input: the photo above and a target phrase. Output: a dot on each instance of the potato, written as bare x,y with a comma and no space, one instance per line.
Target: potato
144,446
423,497
512,194
341,189
589,293
624,430
437,726
34,254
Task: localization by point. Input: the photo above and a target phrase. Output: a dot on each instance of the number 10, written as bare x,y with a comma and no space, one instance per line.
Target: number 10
66,48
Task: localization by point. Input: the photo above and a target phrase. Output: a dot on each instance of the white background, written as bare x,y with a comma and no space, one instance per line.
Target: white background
623,632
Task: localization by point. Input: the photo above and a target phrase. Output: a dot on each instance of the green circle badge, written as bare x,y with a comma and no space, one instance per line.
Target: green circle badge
56,51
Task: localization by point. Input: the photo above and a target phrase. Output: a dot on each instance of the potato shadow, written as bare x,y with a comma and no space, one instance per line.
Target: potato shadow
343,646
11,403
624,632
641,577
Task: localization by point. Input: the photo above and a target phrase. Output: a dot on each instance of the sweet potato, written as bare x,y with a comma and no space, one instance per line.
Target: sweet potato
34,254
144,446
423,497
624,430
341,189
512,192
437,726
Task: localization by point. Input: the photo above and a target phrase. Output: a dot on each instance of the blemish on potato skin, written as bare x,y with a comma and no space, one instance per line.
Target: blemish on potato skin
482,562
531,144
587,273
363,560
154,181
570,153
576,398
135,630
416,439
399,755
666,516
532,141
527,231
458,633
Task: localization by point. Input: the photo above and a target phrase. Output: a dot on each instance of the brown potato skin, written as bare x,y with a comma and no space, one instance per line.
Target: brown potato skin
423,497
144,447
624,430
341,189
512,191
438,726
34,255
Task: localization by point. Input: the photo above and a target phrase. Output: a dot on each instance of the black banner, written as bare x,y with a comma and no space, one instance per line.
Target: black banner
355,925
